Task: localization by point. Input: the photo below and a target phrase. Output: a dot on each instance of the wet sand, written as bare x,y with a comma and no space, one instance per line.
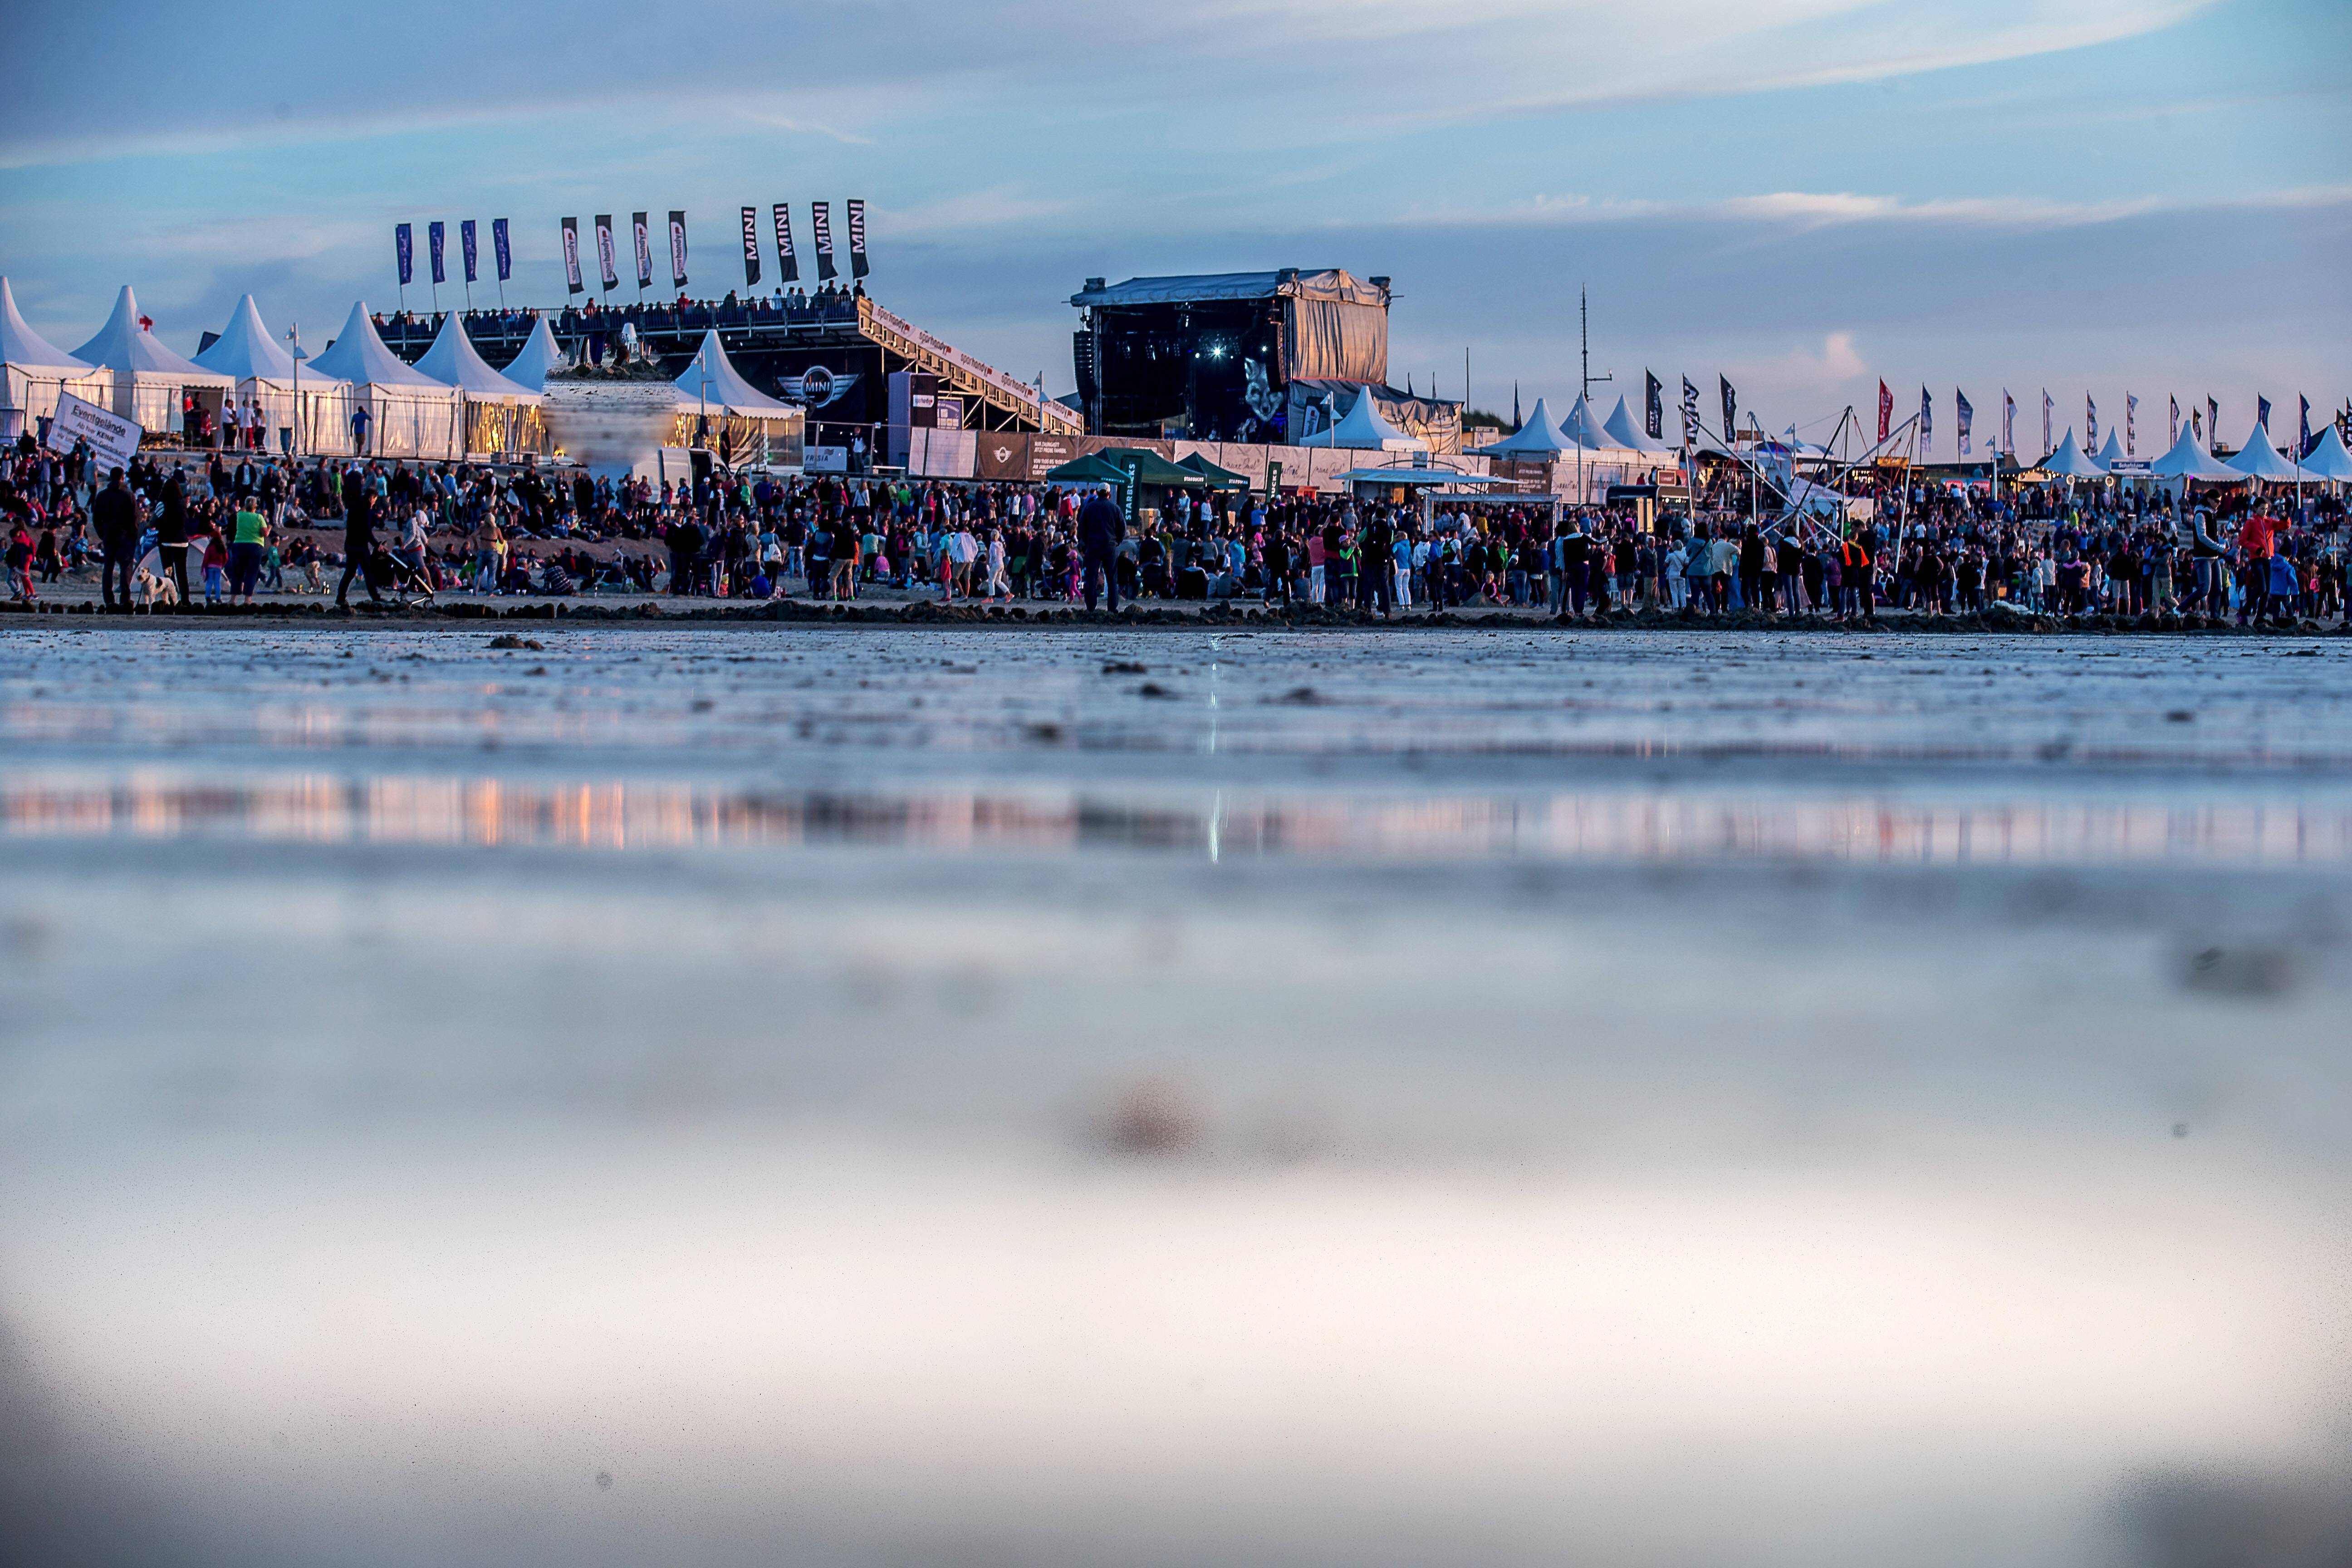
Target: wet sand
1523,1095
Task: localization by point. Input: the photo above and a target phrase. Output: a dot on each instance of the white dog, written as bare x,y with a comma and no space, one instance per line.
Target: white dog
153,584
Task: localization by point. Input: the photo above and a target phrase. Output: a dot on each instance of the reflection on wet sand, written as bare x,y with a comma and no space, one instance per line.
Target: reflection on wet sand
1603,825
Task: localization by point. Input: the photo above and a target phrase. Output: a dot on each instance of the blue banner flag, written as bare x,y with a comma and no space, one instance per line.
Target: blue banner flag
466,242
1961,413
436,240
403,250
500,247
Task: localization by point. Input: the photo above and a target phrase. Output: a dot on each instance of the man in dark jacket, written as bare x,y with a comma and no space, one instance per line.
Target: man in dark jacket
1100,528
359,537
115,514
172,530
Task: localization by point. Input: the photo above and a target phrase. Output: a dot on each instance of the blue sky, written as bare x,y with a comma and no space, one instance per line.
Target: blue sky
1806,195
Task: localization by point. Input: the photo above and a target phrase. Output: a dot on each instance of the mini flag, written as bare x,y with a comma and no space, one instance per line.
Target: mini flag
501,249
1690,412
571,256
1730,410
472,247
855,213
1653,417
821,225
750,247
436,239
1961,415
403,251
788,265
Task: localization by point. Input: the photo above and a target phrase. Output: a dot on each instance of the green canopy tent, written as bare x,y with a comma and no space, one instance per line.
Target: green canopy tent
1216,479
1150,467
1094,468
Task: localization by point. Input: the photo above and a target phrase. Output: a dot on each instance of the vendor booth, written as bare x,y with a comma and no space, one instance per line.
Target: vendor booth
302,411
35,372
501,417
719,411
147,383
410,415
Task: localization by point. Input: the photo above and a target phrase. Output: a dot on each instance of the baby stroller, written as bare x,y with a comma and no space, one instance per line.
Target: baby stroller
389,575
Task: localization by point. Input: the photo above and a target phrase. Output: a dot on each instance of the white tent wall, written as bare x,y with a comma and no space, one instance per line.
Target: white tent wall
326,413
412,422
31,396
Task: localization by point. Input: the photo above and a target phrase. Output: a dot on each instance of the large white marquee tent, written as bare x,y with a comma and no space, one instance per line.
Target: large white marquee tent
264,371
743,420
541,353
34,370
1621,431
410,413
2070,462
2329,460
146,380
2189,459
2258,460
1536,441
501,415
1365,429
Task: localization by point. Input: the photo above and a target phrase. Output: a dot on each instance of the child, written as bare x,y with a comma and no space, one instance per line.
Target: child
215,567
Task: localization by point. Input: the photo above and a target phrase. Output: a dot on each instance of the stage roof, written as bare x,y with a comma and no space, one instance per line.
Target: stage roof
1326,283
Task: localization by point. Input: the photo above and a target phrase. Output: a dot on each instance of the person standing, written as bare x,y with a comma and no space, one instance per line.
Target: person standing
359,537
1100,528
114,513
172,530
248,535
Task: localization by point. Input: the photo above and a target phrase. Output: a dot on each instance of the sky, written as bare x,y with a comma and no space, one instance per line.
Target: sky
2093,196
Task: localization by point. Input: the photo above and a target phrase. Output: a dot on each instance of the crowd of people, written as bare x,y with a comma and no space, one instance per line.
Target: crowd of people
233,524
599,326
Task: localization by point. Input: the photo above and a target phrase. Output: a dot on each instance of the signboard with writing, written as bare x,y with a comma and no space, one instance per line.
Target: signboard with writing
825,461
113,438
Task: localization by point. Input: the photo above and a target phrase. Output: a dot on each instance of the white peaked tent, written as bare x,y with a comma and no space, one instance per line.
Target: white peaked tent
145,380
1623,432
1365,429
2112,453
2070,462
410,415
541,353
1583,429
2261,460
2189,459
264,371
2329,460
36,370
1536,440
501,416
745,424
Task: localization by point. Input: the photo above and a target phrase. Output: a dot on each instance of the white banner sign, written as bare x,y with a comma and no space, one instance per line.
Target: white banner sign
824,459
114,438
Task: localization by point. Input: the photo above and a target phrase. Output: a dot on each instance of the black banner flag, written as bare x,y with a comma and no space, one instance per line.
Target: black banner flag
606,267
677,250
571,256
1731,409
821,225
750,247
855,212
788,265
1654,412
645,249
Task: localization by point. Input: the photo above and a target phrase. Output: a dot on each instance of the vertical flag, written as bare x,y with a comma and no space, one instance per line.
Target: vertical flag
2090,426
1731,409
436,240
821,225
2172,426
645,242
403,251
1926,423
2302,437
1885,411
1961,415
2008,423
1653,413
501,249
2212,423
1690,410
677,250
2047,447
2131,425
788,265
2262,414
571,256
752,247
471,245
2197,427
855,213
605,262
